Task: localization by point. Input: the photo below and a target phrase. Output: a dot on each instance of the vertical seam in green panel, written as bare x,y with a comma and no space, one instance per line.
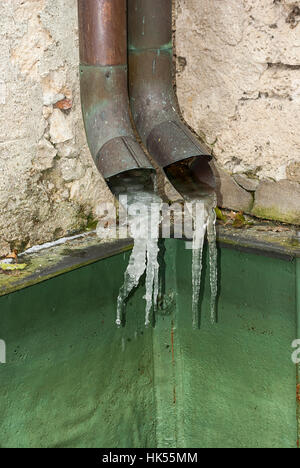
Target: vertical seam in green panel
164,370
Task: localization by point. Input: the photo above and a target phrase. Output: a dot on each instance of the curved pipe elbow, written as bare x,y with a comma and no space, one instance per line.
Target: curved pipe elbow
153,101
104,90
105,110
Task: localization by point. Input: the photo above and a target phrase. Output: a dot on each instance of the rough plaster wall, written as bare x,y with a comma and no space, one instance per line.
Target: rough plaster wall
238,85
48,184
238,81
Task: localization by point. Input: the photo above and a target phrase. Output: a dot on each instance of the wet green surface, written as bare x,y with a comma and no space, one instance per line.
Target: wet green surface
238,377
73,380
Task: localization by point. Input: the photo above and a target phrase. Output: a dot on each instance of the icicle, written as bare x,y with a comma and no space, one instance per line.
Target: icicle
204,221
133,274
213,260
151,278
152,273
198,242
144,255
196,278
156,284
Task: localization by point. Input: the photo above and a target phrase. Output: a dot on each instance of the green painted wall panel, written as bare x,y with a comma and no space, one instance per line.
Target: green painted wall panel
74,380
239,380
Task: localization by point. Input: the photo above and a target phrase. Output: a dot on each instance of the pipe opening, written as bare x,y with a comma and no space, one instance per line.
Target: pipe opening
153,100
192,177
133,181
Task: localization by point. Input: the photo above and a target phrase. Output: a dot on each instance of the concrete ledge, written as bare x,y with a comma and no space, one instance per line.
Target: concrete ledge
278,200
285,245
57,260
79,252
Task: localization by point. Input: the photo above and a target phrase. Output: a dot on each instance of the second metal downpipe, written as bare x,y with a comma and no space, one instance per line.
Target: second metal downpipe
104,56
153,101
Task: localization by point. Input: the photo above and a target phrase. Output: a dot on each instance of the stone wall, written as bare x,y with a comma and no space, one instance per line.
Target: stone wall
48,184
238,85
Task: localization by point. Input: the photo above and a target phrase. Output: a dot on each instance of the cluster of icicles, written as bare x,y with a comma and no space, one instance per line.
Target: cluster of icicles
203,225
144,256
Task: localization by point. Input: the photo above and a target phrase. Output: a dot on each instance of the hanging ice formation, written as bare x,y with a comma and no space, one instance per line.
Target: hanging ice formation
204,223
144,207
144,218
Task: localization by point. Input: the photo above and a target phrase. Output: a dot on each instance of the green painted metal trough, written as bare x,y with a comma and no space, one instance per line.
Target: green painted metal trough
72,379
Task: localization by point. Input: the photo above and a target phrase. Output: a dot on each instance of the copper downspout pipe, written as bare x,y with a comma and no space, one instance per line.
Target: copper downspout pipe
154,104
104,90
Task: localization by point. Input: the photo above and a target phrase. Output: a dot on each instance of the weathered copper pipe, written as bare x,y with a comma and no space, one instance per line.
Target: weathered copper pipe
104,90
153,101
